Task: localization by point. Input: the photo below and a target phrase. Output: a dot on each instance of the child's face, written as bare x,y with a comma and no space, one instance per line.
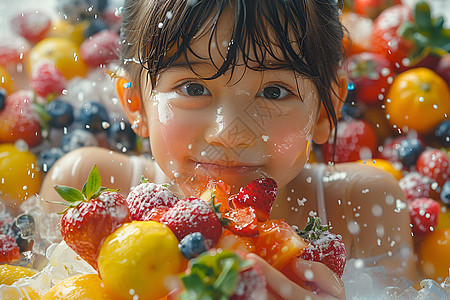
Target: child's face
237,128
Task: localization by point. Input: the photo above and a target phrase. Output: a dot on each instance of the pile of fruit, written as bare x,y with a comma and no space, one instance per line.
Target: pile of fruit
159,236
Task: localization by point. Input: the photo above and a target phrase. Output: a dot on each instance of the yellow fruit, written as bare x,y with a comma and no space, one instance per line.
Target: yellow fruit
62,52
85,286
434,255
138,259
10,274
19,293
20,175
74,32
6,81
384,165
444,218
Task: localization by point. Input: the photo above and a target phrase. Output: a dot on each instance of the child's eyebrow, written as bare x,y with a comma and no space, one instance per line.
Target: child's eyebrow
273,65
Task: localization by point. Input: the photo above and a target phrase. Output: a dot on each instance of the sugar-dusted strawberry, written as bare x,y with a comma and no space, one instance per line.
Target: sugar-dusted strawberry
259,194
9,250
13,50
91,215
356,139
148,200
223,275
324,247
17,120
424,213
193,215
415,185
47,80
32,25
101,48
434,163
242,221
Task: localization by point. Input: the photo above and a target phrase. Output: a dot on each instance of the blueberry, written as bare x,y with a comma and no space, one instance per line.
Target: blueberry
193,245
60,112
48,157
78,10
445,193
121,137
78,138
350,111
93,115
442,133
2,98
409,150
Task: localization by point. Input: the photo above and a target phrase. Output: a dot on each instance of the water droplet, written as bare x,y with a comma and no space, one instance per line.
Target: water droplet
203,153
377,211
160,25
169,15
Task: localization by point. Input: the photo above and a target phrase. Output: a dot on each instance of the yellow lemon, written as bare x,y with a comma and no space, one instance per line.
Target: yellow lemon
85,286
384,165
10,274
139,258
6,81
63,52
20,175
74,32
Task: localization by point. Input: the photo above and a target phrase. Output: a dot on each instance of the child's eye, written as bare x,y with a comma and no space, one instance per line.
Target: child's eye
274,92
194,89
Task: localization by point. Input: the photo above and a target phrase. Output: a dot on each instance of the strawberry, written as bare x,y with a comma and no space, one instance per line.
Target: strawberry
259,194
424,213
193,215
325,247
91,215
101,48
13,50
47,80
241,221
434,163
17,120
223,275
9,250
149,200
32,25
415,185
356,139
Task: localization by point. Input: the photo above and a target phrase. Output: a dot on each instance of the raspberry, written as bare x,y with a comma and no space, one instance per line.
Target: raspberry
424,213
101,48
32,25
46,79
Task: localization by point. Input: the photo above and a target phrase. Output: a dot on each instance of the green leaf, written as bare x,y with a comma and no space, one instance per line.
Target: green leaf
92,184
68,193
422,16
228,278
143,179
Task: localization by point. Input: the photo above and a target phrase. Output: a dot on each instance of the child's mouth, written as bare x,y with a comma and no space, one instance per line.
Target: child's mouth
226,167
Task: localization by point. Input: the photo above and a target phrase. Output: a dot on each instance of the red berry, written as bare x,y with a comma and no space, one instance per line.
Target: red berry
46,79
13,50
424,213
251,284
242,222
434,164
101,48
415,185
17,120
9,250
259,194
146,197
32,25
193,215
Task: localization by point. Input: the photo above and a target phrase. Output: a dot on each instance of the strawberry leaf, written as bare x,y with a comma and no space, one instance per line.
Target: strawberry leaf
143,179
68,193
93,183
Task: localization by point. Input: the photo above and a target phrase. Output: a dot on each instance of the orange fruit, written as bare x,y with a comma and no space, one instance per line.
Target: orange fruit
6,81
63,52
434,255
85,286
221,192
444,218
10,274
384,165
278,243
232,241
418,99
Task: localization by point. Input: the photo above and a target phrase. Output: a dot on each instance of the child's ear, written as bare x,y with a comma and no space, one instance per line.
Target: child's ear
338,96
132,105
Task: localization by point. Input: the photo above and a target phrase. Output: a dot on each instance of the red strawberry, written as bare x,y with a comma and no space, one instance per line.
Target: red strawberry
32,25
242,221
251,284
9,250
101,48
325,247
148,197
434,163
356,139
91,216
424,213
415,185
259,194
47,80
17,120
193,215
13,50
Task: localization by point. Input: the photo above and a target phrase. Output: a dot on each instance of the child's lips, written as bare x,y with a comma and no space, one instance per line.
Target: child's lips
226,166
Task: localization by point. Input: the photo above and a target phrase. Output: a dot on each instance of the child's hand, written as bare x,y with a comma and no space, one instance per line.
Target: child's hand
314,274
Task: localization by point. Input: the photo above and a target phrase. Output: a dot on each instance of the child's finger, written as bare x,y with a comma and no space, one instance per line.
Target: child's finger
282,286
319,274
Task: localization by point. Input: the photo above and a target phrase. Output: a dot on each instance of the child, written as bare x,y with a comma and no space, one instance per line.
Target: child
238,90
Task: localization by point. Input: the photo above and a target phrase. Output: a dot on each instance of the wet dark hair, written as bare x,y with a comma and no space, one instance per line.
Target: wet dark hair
304,35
